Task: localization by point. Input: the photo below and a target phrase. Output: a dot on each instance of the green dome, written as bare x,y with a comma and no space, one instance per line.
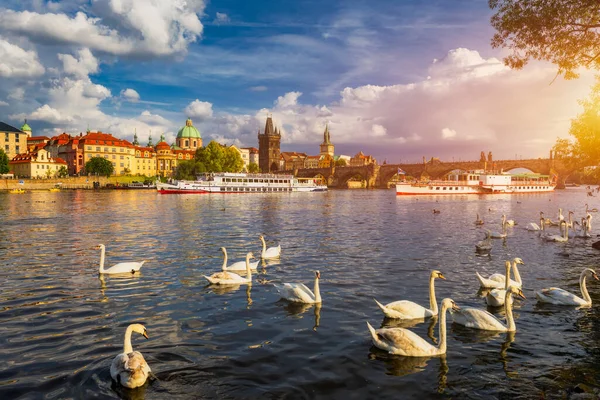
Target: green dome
25,127
189,131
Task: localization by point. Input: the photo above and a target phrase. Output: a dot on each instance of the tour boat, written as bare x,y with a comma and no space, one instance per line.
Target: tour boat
479,182
228,182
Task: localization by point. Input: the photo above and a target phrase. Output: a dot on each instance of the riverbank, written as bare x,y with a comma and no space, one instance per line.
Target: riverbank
76,182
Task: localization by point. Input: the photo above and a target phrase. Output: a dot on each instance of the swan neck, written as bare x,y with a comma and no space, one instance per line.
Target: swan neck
442,322
517,274
248,269
224,267
102,250
264,246
317,291
583,286
510,321
127,342
507,280
432,301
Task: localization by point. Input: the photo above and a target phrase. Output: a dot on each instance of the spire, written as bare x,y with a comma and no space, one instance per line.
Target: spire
326,138
150,144
162,138
269,131
135,138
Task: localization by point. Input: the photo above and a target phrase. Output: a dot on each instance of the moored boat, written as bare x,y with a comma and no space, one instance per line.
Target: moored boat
228,182
479,182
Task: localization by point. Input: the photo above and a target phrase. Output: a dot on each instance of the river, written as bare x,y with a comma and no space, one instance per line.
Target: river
61,324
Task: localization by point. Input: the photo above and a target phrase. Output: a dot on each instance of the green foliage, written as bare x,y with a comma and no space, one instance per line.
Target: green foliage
186,170
212,158
3,162
341,162
564,32
63,172
100,166
253,168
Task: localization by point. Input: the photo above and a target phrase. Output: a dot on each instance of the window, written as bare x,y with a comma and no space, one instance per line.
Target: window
187,143
122,164
7,137
114,157
106,156
6,148
17,149
97,148
114,164
89,148
114,149
106,149
122,149
122,157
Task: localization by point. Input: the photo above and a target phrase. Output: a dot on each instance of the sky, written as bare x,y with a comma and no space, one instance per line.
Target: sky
398,80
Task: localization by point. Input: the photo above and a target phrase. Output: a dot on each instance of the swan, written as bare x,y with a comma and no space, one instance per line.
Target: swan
481,319
510,222
406,309
120,268
560,238
238,266
584,233
271,252
129,368
229,278
589,221
299,293
407,343
562,297
588,210
496,296
484,245
500,235
497,280
478,221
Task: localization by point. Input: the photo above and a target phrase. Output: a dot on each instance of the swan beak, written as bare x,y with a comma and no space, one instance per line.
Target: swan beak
521,295
145,335
441,276
595,276
455,307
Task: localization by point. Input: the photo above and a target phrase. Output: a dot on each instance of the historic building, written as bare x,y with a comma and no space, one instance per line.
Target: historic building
188,137
269,143
12,140
360,159
290,160
37,164
144,161
326,146
67,147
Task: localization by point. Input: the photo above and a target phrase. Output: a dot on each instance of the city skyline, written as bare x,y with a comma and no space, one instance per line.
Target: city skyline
396,81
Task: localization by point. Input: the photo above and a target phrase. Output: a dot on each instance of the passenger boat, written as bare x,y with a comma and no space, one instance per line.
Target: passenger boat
479,182
228,182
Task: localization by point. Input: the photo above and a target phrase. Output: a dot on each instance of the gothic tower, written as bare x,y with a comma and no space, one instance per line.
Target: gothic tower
326,146
269,148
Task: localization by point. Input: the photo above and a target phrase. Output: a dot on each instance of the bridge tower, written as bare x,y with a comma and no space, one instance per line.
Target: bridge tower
326,146
269,143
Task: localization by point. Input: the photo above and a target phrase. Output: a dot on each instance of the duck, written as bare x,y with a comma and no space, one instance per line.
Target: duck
478,221
481,319
496,296
130,369
562,297
271,252
404,342
484,245
240,265
299,293
497,280
120,268
436,211
406,309
230,278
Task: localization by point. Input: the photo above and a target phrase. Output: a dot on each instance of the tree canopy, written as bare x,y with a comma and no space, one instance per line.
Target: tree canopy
563,32
3,162
100,166
253,168
212,158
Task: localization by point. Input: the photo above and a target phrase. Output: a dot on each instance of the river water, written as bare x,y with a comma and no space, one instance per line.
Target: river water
61,324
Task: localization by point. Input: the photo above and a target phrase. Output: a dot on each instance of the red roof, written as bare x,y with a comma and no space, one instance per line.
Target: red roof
36,138
104,139
27,158
162,145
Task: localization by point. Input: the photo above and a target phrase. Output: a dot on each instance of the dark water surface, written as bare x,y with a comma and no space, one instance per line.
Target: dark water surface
61,324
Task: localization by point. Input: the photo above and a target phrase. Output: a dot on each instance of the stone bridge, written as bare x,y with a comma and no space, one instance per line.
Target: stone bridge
378,176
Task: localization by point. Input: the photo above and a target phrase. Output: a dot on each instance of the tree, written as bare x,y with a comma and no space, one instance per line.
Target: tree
3,162
564,32
100,166
253,168
341,162
218,158
63,172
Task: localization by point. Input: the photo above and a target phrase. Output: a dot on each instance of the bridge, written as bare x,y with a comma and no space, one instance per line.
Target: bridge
379,176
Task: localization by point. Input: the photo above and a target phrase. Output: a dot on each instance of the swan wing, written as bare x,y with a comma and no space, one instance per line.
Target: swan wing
410,309
559,296
532,226
403,342
495,297
241,266
126,267
225,278
297,292
130,370
477,318
489,283
272,252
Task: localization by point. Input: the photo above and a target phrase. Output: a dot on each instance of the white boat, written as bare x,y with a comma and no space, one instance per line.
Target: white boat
227,182
479,182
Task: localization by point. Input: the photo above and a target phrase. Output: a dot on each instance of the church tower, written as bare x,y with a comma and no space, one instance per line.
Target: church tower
269,148
326,146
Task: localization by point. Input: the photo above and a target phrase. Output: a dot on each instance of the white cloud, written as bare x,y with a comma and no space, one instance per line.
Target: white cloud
47,114
17,94
258,88
221,18
378,130
289,99
448,133
82,67
130,95
153,119
3,103
17,62
200,110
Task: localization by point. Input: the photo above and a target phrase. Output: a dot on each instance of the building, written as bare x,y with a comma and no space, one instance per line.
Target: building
326,161
360,160
67,148
188,137
166,160
12,140
326,146
311,162
38,164
269,143
144,162
290,160
118,151
34,141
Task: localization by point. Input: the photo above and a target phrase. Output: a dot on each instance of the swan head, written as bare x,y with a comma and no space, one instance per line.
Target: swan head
100,247
250,255
318,274
139,328
517,260
592,273
449,303
437,274
223,249
517,292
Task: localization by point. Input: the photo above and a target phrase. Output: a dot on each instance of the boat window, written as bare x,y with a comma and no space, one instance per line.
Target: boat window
456,188
444,188
437,188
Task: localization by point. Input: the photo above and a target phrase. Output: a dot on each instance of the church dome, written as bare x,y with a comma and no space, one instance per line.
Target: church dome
188,131
25,128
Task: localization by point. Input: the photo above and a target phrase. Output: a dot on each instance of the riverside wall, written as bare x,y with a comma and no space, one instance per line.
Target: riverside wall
77,182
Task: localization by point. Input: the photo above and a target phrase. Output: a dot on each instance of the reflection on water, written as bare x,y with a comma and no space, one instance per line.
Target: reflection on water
61,323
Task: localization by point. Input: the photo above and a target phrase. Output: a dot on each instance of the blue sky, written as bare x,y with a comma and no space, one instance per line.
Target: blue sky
396,79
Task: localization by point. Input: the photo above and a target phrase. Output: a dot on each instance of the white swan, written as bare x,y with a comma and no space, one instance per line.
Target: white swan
229,278
498,280
502,234
589,221
584,232
407,343
120,268
560,238
299,293
588,210
484,245
496,296
129,368
240,265
562,297
406,309
481,319
271,252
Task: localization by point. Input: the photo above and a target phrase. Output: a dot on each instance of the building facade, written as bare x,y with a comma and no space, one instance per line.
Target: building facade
326,147
12,140
38,164
269,143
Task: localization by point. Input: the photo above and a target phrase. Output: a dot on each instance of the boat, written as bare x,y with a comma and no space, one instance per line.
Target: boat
17,191
479,182
229,182
136,186
55,188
